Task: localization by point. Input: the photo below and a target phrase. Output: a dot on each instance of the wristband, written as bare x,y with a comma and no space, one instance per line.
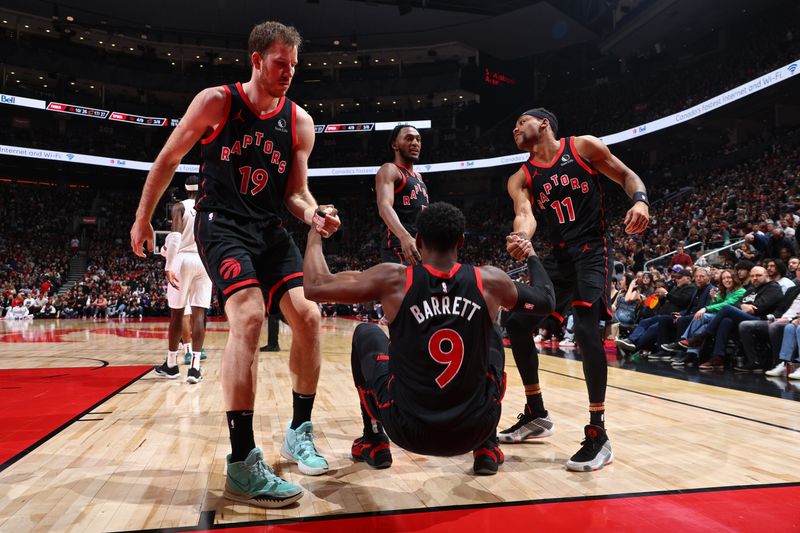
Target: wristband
640,196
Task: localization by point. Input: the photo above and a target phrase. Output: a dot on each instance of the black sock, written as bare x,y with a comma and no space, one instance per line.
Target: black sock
301,408
597,417
240,428
535,404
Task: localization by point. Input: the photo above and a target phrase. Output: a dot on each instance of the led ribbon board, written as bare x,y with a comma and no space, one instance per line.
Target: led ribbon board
746,89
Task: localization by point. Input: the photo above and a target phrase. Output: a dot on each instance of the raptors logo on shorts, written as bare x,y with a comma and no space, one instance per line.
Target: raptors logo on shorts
230,268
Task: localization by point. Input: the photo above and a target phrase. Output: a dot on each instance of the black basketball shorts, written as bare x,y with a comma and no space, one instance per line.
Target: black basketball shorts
581,275
241,253
393,255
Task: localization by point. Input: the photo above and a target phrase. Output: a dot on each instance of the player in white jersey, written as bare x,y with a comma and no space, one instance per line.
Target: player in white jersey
188,285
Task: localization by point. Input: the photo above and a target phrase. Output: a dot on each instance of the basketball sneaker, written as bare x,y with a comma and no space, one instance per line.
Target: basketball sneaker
253,481
595,451
487,459
527,427
164,371
194,376
298,447
187,357
373,450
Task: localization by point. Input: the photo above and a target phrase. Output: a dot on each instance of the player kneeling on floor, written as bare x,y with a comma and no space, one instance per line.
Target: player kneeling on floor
436,388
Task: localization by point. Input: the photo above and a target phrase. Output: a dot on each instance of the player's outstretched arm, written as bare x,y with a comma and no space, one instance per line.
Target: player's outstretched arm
206,111
597,153
385,281
538,298
524,225
385,181
298,198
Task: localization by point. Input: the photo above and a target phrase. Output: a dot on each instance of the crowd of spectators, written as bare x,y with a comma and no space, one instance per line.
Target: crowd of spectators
756,202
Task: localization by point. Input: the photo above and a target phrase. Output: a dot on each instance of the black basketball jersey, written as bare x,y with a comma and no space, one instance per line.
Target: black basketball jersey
410,196
439,346
566,194
247,159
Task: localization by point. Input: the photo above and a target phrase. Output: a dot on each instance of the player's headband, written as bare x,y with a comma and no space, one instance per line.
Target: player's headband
538,113
191,187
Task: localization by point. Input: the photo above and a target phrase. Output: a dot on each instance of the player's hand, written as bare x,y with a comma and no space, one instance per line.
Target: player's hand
326,220
410,252
173,280
519,246
142,235
637,219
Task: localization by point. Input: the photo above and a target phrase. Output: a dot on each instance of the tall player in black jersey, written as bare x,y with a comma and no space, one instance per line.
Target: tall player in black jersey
255,149
560,184
436,383
401,195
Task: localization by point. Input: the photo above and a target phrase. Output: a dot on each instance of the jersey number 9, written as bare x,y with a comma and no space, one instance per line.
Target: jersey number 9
452,357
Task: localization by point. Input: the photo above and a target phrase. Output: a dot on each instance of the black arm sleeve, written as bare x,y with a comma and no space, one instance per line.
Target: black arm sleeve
538,298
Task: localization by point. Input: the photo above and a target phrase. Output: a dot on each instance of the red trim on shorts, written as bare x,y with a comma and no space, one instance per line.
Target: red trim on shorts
382,357
399,256
253,109
294,125
553,162
559,317
409,277
275,287
578,157
479,281
581,303
382,405
224,119
240,284
440,274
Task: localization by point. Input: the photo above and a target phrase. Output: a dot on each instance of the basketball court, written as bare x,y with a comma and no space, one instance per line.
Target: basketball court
92,441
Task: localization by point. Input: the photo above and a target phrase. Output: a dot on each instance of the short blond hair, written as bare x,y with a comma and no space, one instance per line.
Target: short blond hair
263,35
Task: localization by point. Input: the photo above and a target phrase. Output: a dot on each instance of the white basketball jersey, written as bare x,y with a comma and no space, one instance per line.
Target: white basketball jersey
187,237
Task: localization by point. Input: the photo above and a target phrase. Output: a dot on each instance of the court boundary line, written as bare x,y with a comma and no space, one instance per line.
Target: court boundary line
471,506
68,423
680,402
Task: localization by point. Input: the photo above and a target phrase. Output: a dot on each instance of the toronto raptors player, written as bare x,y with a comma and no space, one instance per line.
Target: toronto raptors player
255,145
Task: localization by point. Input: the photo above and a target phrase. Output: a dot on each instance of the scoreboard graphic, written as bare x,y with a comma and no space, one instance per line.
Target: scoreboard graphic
138,119
77,110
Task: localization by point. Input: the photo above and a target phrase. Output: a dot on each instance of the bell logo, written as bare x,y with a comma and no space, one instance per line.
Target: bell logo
230,268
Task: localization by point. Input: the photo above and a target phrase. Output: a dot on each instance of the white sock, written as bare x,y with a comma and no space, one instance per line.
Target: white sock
196,360
172,358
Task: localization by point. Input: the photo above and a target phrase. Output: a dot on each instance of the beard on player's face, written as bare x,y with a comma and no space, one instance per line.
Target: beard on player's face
406,154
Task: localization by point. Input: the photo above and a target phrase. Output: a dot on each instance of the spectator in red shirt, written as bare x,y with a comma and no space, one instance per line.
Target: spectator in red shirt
681,258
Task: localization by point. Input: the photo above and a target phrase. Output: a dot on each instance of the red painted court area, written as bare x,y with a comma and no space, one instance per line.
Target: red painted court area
740,510
37,402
